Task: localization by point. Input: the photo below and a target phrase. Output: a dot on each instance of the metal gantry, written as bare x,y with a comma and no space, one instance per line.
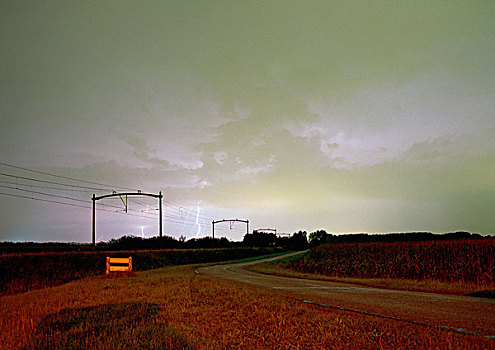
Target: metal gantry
231,221
274,230
126,194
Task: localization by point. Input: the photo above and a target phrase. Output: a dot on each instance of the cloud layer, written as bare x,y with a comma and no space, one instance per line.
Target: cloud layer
369,116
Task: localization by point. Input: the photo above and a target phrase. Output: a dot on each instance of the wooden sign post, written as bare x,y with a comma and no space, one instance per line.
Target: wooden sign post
124,264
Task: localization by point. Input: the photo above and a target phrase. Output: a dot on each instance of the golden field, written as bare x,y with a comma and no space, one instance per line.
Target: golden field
175,308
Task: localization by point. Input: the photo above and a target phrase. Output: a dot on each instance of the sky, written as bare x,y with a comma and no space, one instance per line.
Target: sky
348,116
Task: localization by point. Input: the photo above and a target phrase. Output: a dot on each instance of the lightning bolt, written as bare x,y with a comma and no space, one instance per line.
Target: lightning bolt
198,233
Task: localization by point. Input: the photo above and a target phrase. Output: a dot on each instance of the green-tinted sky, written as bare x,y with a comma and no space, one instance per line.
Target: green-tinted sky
352,116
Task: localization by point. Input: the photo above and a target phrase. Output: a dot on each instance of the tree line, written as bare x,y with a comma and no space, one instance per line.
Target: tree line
297,241
321,237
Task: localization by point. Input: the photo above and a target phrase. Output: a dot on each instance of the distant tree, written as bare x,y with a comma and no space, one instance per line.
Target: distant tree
457,235
319,237
167,242
282,241
136,242
127,243
203,242
224,243
298,241
259,239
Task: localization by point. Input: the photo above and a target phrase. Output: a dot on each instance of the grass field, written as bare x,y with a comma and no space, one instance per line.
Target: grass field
175,308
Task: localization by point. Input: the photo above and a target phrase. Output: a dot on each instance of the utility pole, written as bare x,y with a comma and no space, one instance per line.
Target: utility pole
231,222
160,196
94,211
126,194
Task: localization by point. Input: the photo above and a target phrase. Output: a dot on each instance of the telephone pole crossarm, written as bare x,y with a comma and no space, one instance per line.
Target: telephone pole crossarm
231,221
159,196
274,230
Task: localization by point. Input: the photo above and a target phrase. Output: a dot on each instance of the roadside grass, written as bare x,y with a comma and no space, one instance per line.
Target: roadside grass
175,308
132,325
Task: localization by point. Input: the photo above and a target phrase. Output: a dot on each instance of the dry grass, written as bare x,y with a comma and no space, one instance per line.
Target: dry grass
175,308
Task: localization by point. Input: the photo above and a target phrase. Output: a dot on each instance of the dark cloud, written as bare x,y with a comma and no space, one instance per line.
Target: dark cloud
374,117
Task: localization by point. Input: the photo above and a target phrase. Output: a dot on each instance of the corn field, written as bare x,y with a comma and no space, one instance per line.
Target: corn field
450,261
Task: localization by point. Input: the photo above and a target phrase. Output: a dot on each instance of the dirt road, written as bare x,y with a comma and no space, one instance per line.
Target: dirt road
463,314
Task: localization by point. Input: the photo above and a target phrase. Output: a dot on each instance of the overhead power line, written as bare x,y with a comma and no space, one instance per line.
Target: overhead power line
44,187
61,197
53,183
35,185
72,204
168,203
61,176
44,200
44,194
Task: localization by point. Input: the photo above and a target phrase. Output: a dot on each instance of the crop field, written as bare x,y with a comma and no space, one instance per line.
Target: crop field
175,308
24,272
465,261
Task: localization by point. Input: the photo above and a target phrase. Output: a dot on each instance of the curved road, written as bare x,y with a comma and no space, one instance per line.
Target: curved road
460,313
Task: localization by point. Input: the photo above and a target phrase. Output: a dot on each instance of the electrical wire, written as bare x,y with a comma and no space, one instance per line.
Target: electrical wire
179,215
187,209
45,194
167,218
44,187
176,206
45,200
72,205
61,176
61,197
52,182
